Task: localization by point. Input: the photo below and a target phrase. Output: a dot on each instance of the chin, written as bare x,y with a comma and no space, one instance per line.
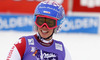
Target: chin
43,36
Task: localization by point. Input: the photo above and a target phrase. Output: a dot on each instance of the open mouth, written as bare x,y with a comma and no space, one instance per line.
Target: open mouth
44,31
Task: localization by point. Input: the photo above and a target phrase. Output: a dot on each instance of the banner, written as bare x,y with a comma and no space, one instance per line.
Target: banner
24,6
86,6
16,22
72,24
80,24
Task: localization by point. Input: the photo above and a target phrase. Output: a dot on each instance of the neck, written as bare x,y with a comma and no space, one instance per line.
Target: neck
44,40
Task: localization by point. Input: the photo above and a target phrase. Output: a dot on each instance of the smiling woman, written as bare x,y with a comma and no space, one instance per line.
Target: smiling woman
42,46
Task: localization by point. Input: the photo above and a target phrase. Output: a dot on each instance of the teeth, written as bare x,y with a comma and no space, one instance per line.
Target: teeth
44,31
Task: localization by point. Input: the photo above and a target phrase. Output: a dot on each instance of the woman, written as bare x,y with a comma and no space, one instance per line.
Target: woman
48,18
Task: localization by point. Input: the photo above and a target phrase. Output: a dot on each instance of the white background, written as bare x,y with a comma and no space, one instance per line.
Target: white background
81,46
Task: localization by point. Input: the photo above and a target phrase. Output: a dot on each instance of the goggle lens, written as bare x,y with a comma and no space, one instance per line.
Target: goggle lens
48,21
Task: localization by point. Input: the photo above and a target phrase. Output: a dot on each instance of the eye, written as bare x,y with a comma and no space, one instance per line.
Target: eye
50,22
40,20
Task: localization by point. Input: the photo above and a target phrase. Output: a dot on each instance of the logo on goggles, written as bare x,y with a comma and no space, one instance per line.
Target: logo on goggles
49,22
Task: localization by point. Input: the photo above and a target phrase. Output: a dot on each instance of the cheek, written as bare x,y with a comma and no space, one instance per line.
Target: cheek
51,30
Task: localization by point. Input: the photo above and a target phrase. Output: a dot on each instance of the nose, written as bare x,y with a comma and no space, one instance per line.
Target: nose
44,26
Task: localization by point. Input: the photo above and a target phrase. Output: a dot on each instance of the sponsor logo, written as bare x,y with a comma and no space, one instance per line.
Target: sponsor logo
46,12
31,41
58,46
43,55
33,49
9,22
10,53
50,9
46,55
79,23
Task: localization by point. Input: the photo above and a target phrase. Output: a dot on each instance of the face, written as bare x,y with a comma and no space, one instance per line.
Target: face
45,32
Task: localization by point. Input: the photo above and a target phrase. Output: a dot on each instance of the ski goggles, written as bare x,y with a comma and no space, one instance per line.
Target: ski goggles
42,20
